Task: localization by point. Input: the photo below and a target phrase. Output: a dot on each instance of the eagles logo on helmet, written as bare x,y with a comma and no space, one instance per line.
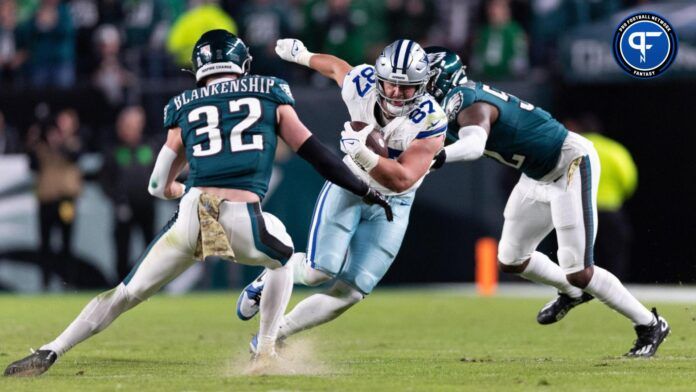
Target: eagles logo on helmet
447,70
219,51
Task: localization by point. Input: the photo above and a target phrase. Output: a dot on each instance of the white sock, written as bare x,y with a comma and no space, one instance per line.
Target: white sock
541,269
274,301
97,315
607,288
319,308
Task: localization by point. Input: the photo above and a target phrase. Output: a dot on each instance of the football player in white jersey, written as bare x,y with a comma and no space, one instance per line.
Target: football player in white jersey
353,244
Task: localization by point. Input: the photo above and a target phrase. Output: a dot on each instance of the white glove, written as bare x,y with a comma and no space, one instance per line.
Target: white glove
293,50
353,144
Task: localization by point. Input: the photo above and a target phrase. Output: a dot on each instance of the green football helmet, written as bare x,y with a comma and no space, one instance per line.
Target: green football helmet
219,51
446,72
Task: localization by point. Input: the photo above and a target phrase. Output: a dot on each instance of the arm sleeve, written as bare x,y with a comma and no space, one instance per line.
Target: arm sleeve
160,173
330,166
470,146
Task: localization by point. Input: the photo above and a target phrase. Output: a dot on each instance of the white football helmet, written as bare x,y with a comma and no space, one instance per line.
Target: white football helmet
402,62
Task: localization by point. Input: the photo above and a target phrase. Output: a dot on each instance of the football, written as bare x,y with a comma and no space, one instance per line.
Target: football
374,140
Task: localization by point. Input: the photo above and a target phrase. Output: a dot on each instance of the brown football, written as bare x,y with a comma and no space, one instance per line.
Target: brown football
374,140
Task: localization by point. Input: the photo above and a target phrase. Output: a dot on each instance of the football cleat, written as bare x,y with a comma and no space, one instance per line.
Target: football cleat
32,365
556,309
649,337
250,299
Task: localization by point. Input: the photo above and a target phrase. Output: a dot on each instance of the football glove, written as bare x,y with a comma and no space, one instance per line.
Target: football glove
293,50
374,197
438,160
353,144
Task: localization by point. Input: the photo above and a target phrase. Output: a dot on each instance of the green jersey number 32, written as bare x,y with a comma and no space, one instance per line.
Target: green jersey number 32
214,134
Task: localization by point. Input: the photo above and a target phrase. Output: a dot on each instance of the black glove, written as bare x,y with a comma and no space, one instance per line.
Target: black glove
374,197
438,160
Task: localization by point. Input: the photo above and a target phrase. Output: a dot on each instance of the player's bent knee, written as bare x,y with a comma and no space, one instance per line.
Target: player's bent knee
105,307
314,277
512,259
350,294
581,278
512,268
570,259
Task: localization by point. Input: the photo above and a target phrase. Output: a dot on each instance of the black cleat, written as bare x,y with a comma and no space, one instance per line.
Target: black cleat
559,307
649,337
33,365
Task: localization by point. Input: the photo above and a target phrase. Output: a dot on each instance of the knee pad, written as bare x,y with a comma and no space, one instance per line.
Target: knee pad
570,259
510,255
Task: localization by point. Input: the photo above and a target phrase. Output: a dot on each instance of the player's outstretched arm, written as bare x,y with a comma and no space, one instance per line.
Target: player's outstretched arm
293,50
325,162
474,126
170,162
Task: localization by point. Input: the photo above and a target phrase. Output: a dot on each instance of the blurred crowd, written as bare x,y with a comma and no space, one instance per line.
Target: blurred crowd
111,44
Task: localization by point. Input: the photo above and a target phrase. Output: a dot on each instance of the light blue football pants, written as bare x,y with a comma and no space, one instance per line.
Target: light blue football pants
353,241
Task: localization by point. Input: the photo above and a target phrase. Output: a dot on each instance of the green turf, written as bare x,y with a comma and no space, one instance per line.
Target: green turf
395,340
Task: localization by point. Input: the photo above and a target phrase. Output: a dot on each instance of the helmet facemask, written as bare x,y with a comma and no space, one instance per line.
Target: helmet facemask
395,107
402,63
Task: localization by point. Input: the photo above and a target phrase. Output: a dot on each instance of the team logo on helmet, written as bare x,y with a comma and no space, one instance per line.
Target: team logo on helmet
452,106
645,45
206,55
435,58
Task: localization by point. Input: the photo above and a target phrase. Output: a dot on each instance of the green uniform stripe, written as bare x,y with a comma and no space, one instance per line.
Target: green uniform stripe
264,241
587,212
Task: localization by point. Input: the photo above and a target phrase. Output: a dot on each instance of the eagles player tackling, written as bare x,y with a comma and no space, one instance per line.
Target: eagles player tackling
557,190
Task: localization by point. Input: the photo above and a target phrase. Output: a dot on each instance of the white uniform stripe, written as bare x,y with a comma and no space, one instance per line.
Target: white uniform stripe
400,56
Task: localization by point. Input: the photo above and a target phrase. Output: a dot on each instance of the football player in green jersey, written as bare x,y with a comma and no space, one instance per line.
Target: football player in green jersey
557,190
226,130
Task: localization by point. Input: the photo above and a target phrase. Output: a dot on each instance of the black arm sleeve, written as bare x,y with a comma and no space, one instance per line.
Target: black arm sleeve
330,166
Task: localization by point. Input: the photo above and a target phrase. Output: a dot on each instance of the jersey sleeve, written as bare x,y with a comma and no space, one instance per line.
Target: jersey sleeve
171,115
435,119
457,99
358,82
281,94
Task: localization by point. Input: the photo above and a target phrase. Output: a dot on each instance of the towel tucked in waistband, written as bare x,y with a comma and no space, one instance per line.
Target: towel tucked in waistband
212,239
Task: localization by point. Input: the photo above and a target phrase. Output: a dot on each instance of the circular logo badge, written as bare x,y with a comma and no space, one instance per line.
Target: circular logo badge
645,45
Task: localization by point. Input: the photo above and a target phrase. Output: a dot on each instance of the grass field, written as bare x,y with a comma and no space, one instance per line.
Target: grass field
395,340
